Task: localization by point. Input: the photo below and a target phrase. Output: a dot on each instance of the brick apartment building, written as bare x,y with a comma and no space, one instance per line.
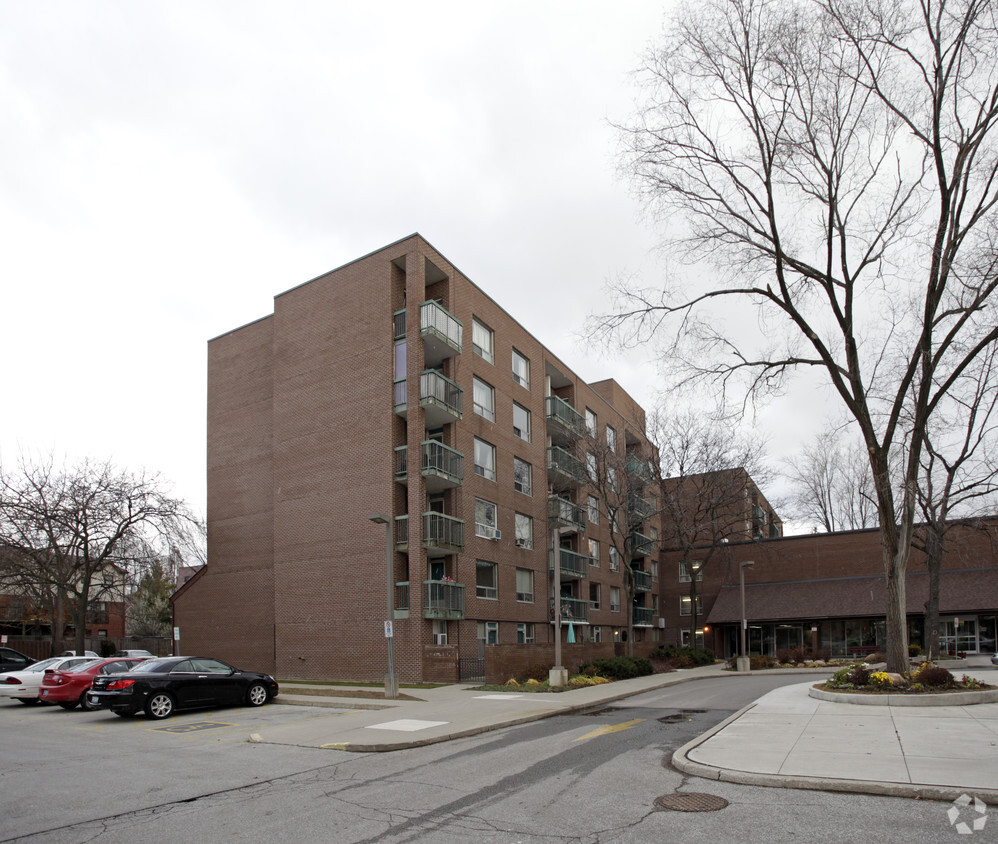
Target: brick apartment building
828,590
394,386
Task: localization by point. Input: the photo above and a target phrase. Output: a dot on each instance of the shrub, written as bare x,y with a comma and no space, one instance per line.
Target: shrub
617,668
914,650
934,676
689,656
822,654
859,675
536,672
758,662
581,681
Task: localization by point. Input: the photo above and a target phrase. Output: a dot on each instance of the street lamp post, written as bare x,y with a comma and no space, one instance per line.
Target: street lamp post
744,664
391,687
557,676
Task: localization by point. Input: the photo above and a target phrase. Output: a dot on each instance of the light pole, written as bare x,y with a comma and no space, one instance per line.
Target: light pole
391,688
557,676
744,664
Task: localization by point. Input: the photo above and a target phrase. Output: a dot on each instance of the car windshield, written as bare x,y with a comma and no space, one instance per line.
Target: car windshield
41,666
83,666
151,666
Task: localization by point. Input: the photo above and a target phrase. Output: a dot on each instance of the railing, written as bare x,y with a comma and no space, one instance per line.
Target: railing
441,460
399,322
640,545
643,616
573,564
401,463
436,321
443,532
572,609
642,581
560,413
443,599
437,389
400,395
641,508
638,469
566,512
401,533
566,466
402,595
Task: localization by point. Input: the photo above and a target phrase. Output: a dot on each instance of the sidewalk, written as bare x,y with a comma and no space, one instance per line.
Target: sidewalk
784,739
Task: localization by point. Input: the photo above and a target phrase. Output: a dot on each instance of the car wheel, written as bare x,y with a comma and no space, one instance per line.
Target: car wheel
85,705
67,704
256,695
159,706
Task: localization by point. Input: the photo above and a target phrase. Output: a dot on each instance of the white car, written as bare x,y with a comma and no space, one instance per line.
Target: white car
23,684
90,654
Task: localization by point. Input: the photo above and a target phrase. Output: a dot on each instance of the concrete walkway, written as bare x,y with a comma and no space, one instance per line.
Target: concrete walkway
784,739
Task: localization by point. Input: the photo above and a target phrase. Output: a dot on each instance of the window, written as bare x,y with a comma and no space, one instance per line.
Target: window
488,632
525,586
485,459
485,519
485,400
522,476
593,510
591,466
695,565
521,370
525,633
521,422
685,605
614,559
611,438
611,477
614,599
594,595
594,552
654,570
590,422
524,531
686,637
485,580
597,632
482,339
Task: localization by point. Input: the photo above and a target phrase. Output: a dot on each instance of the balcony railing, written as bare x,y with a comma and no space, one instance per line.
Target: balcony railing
640,545
639,509
400,397
441,465
401,533
639,470
573,564
443,599
399,324
402,597
572,609
440,397
642,581
442,333
565,471
643,616
564,422
566,513
443,534
402,463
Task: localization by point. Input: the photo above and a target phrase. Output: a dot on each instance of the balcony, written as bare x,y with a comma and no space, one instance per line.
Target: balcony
574,566
402,464
567,514
572,609
639,470
442,534
639,509
643,617
440,465
402,599
565,471
398,322
565,424
401,533
640,545
441,332
642,580
443,599
440,398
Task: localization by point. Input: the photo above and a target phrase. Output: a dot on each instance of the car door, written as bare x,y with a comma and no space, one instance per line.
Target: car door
188,685
220,680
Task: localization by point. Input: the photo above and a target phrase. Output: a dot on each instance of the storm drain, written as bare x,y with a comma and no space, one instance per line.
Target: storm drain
682,715
691,801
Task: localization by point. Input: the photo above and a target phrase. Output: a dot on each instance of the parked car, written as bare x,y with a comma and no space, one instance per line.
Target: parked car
11,660
69,686
90,654
23,685
994,659
139,654
158,687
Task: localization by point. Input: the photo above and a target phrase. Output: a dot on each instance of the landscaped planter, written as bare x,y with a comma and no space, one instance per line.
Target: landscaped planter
964,698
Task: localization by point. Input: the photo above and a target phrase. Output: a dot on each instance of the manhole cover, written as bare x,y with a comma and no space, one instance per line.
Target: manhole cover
692,801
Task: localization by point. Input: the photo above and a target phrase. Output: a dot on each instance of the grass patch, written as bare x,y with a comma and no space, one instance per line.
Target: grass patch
357,685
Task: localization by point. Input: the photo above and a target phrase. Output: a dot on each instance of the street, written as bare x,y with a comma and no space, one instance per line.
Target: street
593,778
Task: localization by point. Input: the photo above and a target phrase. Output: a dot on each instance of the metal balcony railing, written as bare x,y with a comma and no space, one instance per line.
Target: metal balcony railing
441,331
441,397
443,533
401,533
443,599
398,320
640,545
642,581
441,462
643,616
572,609
401,463
573,564
563,420
566,513
402,596
564,469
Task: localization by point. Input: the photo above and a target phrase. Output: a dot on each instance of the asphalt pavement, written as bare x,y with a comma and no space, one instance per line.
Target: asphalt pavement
785,739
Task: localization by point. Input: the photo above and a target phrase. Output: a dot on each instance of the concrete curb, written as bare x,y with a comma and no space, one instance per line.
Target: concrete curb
682,762
968,698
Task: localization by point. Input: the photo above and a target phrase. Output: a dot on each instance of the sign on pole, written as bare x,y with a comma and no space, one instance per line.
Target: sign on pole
389,633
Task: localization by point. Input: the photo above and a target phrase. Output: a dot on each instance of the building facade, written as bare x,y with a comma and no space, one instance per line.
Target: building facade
390,434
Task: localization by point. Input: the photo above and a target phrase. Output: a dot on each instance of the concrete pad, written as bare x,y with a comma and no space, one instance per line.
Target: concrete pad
849,765
751,759
406,725
956,772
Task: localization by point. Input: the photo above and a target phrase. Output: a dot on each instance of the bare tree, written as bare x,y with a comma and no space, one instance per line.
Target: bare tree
705,476
959,478
73,531
836,163
832,486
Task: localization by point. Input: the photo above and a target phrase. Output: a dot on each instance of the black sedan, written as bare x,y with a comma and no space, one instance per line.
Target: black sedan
160,686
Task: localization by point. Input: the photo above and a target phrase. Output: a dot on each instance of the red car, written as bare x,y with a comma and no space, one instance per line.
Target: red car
69,688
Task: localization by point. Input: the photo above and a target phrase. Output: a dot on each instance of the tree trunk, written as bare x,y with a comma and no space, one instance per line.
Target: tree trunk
933,560
897,620
58,626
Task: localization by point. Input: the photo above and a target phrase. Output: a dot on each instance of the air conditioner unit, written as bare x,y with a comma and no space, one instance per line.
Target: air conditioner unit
487,532
522,543
439,638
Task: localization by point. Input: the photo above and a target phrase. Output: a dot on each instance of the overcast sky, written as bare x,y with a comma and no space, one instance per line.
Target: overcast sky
166,168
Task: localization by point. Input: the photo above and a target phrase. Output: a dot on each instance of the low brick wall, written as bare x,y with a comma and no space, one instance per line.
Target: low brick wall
505,661
440,664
